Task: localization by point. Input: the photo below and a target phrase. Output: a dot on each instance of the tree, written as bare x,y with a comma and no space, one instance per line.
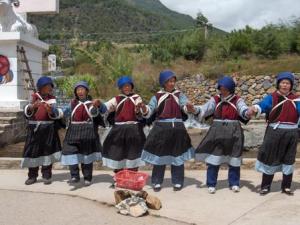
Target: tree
268,43
202,21
240,43
193,46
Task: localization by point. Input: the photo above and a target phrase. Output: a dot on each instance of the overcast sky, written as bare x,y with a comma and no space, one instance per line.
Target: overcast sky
235,14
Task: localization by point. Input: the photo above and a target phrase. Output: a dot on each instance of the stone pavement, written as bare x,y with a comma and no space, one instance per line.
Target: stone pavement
192,205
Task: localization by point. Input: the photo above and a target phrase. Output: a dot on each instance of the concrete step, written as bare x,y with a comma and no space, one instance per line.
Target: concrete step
7,120
7,113
12,126
12,150
4,127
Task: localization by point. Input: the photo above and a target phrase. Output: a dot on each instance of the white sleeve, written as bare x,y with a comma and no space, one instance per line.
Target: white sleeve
207,109
28,113
138,100
242,108
111,103
150,107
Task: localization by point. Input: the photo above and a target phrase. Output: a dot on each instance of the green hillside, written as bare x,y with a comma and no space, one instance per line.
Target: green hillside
93,18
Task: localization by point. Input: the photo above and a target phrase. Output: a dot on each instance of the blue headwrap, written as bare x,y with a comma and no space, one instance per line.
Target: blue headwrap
164,76
43,81
227,82
285,76
125,80
82,84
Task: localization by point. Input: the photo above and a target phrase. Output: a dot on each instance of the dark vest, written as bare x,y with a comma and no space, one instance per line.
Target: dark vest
225,111
80,114
126,109
286,112
41,113
169,108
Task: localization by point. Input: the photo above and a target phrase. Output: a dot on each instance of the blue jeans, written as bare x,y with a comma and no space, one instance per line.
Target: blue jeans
177,173
212,175
87,171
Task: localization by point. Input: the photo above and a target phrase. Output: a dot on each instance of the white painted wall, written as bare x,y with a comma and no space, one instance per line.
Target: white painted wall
13,94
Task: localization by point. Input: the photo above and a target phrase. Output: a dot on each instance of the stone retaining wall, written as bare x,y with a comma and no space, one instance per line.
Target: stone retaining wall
251,88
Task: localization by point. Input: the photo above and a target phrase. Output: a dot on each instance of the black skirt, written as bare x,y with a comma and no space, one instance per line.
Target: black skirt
168,143
223,143
278,151
42,145
81,144
123,146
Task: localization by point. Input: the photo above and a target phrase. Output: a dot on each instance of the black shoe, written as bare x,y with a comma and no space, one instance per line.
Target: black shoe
47,181
287,191
113,185
74,180
30,181
177,187
156,187
264,191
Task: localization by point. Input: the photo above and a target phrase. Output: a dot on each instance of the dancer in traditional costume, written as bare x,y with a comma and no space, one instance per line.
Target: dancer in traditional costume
124,143
224,141
168,142
279,147
42,145
82,142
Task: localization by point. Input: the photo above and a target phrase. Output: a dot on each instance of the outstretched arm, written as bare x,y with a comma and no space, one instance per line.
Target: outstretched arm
148,110
242,109
207,109
264,106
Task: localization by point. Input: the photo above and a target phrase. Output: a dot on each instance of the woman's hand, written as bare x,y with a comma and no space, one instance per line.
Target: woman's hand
190,108
141,106
252,111
48,108
96,103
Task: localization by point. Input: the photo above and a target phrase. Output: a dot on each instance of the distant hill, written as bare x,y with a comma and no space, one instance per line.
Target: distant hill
91,18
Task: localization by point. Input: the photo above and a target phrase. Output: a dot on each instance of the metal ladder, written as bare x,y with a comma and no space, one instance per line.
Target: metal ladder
28,80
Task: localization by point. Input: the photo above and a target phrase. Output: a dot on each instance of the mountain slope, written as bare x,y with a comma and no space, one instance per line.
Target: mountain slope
91,18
